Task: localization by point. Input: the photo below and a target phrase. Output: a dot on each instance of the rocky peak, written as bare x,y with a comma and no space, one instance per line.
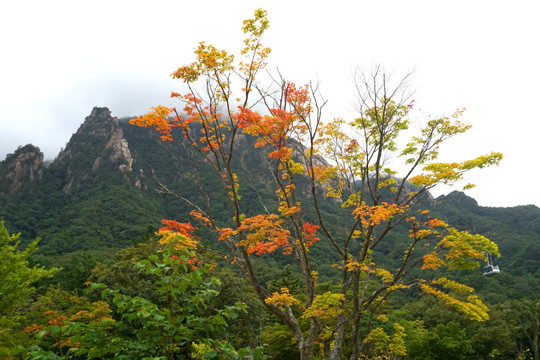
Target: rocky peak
98,143
23,167
458,198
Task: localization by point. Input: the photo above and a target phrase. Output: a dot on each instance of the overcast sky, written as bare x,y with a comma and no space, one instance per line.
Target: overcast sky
61,58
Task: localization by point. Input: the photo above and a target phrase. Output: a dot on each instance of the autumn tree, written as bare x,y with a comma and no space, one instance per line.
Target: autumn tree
344,160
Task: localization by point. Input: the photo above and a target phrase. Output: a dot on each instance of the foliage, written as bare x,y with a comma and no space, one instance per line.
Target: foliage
17,277
444,342
170,328
124,276
279,342
494,337
524,316
75,273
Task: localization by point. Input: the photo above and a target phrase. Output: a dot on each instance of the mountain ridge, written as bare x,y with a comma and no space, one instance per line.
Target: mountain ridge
100,193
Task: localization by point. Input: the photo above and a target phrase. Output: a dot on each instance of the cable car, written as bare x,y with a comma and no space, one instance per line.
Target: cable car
490,269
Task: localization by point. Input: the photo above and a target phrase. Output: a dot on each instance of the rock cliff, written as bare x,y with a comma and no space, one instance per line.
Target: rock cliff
22,169
99,143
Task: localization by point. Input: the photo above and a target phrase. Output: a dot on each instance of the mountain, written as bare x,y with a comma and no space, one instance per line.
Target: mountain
89,197
98,144
101,194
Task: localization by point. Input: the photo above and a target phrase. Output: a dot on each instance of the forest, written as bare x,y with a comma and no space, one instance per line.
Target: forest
246,224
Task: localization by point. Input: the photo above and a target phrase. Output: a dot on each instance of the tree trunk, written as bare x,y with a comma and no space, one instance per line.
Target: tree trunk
338,343
306,350
536,325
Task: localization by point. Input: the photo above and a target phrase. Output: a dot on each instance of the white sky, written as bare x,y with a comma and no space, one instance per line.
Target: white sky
59,59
